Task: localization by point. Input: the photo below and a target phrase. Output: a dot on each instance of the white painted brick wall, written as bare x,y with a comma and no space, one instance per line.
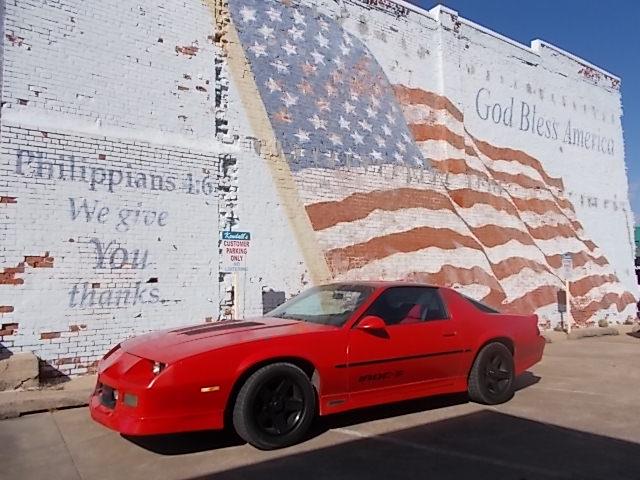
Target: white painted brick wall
121,87
440,52
122,93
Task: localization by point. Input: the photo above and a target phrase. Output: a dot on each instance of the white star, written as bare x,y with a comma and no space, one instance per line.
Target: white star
386,130
290,49
323,25
344,124
359,139
248,14
280,66
419,161
376,155
397,156
322,40
364,125
295,33
298,18
317,57
339,63
406,138
344,49
302,136
349,108
289,100
380,141
371,113
272,85
318,123
354,96
401,147
335,139
391,119
375,101
259,50
347,39
266,32
274,15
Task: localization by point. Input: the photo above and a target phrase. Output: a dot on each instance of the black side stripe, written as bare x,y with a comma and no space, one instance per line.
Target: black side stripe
399,359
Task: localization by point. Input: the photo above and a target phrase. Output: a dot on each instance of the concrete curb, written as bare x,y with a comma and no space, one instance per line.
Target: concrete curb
74,393
592,332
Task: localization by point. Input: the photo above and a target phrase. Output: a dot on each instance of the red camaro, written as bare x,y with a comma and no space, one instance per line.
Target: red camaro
330,349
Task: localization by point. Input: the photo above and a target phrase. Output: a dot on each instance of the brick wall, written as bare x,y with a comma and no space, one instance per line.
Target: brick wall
134,132
113,182
520,195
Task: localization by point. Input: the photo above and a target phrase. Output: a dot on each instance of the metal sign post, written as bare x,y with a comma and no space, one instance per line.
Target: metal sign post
235,249
567,266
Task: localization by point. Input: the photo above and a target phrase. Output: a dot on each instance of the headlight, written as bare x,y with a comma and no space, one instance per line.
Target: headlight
158,367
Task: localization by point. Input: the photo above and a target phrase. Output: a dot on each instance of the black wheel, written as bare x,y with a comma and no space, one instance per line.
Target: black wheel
275,407
492,375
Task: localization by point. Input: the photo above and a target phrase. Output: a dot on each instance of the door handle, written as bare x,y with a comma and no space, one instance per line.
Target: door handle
450,334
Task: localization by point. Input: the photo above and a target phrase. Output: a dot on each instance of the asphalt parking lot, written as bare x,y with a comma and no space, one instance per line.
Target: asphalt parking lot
575,416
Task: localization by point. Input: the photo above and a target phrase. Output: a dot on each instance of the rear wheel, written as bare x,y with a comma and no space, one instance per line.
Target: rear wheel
491,379
275,407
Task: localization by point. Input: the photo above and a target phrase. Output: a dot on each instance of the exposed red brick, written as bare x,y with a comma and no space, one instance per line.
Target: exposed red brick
189,51
74,328
8,200
8,275
92,367
44,261
102,156
49,335
6,309
68,360
8,329
14,39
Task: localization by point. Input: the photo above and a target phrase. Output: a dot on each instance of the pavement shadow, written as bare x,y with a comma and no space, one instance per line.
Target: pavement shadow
193,442
4,352
184,443
481,445
634,334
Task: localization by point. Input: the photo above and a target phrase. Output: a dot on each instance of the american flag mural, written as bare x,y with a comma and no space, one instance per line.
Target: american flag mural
394,185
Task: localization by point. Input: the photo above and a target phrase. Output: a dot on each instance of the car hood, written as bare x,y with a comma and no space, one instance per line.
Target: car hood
169,346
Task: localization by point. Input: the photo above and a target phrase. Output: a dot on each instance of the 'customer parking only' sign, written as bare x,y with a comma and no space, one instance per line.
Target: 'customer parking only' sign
235,248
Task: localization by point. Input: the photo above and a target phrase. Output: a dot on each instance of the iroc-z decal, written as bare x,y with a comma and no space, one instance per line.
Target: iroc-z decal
380,376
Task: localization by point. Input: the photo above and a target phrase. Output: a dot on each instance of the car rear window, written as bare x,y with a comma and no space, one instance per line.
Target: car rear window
480,306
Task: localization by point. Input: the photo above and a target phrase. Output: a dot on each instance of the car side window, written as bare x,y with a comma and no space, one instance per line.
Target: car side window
406,305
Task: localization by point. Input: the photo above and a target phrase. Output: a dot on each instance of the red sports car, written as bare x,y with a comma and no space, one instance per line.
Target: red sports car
330,349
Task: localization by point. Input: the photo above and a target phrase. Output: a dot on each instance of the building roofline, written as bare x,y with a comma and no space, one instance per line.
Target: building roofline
534,48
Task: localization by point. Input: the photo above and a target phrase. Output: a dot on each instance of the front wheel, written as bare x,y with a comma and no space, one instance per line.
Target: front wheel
491,380
275,407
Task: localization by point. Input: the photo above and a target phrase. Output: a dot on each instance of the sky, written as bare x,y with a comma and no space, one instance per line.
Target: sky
606,34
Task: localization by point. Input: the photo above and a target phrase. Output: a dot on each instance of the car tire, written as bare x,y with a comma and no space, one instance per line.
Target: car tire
275,407
491,379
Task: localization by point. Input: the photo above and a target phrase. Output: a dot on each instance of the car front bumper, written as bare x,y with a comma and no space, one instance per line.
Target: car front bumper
127,421
127,401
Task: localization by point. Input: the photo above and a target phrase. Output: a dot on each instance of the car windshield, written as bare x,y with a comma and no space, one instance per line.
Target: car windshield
328,304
